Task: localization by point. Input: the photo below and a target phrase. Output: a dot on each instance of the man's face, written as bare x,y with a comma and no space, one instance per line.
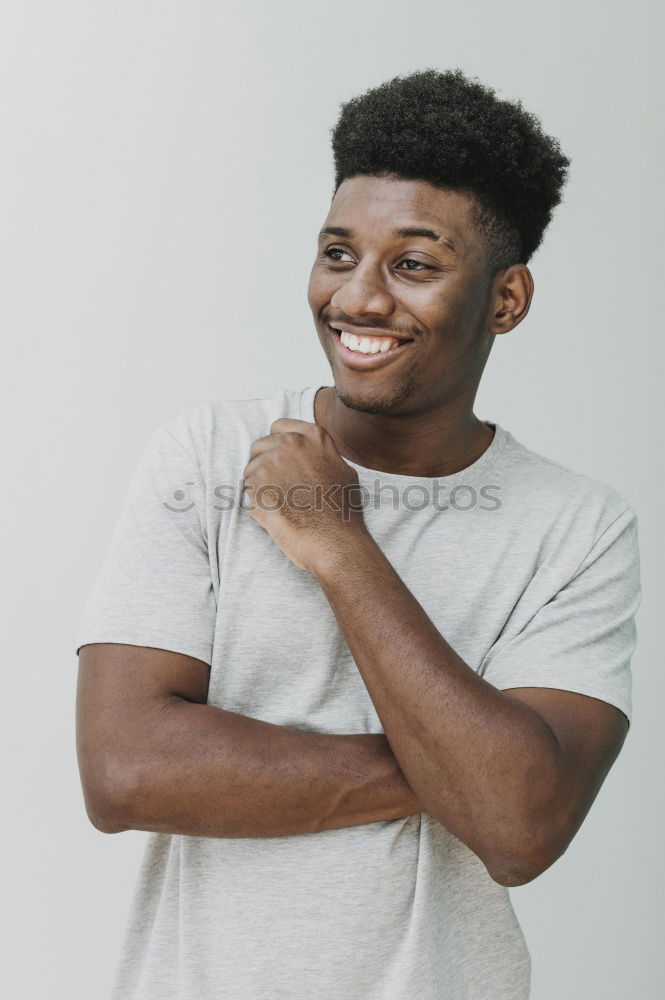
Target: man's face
434,294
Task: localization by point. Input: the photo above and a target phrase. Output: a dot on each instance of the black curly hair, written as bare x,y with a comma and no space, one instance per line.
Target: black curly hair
454,132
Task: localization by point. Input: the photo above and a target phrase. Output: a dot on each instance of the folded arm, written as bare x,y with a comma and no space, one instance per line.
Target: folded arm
511,773
153,756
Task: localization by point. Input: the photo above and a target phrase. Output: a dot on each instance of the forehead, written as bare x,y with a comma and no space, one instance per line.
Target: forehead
377,206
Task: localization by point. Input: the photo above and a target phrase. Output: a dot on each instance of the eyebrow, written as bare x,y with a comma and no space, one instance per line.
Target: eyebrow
406,233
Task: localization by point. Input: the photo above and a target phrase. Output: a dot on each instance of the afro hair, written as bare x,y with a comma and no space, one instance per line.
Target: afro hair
455,133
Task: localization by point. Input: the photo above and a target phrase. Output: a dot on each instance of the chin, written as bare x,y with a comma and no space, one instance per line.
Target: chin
385,399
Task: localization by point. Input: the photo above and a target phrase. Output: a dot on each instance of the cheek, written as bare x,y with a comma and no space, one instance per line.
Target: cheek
451,315
320,288
448,346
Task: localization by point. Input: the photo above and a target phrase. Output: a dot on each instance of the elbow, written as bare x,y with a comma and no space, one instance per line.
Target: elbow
520,867
527,856
109,794
106,822
515,871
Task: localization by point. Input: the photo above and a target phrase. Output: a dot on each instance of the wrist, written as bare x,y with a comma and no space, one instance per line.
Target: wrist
345,548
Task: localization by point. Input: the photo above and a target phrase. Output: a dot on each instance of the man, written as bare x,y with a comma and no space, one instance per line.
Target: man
358,700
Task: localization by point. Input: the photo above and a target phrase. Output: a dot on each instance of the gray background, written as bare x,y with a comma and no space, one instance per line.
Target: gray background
165,170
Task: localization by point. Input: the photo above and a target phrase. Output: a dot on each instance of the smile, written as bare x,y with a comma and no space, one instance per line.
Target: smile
367,351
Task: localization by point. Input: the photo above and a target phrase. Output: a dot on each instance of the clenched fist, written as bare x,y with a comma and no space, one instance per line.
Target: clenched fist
300,489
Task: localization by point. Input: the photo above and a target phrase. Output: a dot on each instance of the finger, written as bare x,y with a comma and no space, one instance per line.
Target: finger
285,424
262,444
277,440
250,468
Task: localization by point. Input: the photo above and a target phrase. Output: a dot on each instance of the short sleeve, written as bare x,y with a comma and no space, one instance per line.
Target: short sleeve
583,638
154,586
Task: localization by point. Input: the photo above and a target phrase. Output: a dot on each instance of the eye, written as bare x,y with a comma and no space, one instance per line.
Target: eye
411,260
408,260
327,253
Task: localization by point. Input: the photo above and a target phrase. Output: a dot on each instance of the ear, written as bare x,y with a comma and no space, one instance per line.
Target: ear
511,298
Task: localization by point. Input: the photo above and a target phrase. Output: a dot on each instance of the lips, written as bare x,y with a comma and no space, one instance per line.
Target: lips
362,331
358,359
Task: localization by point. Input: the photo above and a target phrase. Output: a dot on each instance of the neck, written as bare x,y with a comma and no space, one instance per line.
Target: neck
428,444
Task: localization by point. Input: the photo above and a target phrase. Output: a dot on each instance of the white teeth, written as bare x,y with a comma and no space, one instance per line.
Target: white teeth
365,345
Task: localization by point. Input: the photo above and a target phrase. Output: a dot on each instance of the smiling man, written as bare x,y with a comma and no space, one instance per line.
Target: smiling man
357,702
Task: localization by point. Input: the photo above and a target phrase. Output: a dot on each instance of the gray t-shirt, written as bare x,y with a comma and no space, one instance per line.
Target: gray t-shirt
529,570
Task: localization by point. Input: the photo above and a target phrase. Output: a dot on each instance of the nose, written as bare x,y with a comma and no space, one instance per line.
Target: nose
361,293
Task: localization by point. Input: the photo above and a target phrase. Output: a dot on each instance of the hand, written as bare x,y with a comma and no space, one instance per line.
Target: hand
302,492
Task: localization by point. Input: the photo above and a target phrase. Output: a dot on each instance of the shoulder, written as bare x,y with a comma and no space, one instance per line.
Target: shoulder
563,500
219,433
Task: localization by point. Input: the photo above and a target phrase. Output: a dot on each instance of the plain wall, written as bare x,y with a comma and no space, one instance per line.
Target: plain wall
165,169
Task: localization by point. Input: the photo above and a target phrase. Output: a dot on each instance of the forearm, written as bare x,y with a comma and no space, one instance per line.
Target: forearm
212,773
483,764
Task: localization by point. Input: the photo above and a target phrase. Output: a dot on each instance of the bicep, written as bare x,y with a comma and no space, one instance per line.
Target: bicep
122,690
590,734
